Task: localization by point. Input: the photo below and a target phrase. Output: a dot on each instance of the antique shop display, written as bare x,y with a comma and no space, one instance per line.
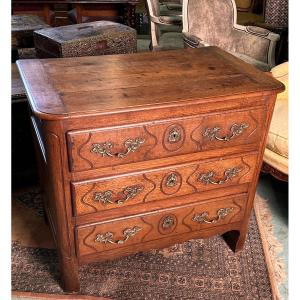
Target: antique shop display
57,12
22,28
146,150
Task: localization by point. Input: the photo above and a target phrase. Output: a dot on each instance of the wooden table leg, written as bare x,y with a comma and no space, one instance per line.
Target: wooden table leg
78,8
47,14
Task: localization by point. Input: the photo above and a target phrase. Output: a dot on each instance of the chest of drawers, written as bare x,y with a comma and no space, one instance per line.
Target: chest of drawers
146,150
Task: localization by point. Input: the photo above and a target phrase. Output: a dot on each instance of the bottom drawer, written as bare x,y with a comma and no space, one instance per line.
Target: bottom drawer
120,233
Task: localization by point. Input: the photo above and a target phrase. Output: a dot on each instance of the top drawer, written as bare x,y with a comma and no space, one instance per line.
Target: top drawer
96,148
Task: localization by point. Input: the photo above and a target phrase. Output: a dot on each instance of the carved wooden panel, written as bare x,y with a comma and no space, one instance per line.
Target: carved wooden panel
92,149
164,183
231,129
171,222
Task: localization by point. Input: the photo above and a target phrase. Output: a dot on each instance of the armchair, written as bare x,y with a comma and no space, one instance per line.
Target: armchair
171,5
276,152
213,23
157,20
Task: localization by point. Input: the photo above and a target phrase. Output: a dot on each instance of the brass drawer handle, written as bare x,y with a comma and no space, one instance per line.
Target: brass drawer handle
235,130
104,149
108,236
129,193
221,214
207,178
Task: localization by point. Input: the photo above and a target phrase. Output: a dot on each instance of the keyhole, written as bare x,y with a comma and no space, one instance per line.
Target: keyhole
171,180
168,222
174,135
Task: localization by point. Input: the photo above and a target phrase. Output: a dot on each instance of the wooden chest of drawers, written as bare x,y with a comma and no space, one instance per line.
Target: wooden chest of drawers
146,150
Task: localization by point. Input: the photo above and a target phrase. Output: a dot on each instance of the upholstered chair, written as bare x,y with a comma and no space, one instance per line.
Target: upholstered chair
276,153
213,22
157,20
169,6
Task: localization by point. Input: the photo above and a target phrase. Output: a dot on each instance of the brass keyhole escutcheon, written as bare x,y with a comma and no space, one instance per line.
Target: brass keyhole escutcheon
174,135
171,180
168,222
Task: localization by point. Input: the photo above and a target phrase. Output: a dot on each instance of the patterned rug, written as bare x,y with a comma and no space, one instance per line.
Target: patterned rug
198,269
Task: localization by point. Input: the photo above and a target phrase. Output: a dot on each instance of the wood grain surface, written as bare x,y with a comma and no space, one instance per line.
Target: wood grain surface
129,82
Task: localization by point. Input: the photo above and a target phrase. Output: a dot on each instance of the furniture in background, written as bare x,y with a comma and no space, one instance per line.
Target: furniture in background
250,6
244,5
276,153
169,6
249,14
276,20
276,13
22,149
135,158
157,20
42,8
22,28
274,17
84,10
213,22
86,39
122,11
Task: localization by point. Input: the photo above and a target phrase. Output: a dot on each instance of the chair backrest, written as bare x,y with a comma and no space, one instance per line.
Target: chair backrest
153,7
210,20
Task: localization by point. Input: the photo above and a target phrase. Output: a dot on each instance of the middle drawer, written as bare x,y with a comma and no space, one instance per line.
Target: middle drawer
130,189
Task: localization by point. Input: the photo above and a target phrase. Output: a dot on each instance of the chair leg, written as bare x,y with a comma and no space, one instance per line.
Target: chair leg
154,36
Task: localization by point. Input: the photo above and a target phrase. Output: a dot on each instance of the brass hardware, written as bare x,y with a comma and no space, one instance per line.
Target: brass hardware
129,193
235,130
103,149
168,222
108,236
171,180
221,214
174,135
207,178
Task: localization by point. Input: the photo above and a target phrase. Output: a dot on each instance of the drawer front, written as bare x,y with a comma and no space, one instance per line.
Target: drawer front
92,149
117,192
154,226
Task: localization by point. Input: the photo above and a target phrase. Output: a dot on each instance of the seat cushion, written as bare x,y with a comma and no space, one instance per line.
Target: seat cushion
277,141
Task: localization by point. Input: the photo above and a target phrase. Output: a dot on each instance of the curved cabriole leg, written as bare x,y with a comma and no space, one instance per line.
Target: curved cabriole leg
235,239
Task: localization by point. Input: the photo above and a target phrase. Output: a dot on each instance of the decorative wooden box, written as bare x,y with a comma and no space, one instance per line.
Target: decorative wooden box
86,39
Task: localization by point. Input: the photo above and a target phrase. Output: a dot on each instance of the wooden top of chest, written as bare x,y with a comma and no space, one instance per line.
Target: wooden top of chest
66,87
